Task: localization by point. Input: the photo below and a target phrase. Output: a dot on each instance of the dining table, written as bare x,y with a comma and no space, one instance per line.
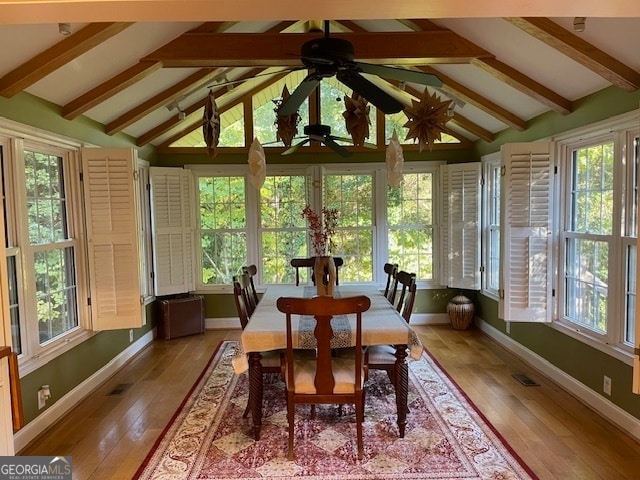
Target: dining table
381,325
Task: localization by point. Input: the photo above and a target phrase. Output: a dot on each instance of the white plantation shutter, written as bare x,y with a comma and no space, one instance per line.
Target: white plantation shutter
172,230
461,232
526,219
445,259
112,237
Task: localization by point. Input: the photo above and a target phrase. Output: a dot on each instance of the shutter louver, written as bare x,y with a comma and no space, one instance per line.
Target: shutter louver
445,258
172,230
461,238
527,225
112,229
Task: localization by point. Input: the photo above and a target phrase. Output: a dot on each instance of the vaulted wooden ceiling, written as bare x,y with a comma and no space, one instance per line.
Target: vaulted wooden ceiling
131,76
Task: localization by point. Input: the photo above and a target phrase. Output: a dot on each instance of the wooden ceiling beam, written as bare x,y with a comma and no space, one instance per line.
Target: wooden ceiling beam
58,55
161,99
276,49
190,126
524,84
487,106
472,127
108,89
169,124
508,75
125,79
458,119
580,51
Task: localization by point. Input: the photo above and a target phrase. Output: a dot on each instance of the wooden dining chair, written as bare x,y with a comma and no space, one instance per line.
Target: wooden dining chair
391,269
244,283
299,263
325,379
405,280
271,361
252,271
383,357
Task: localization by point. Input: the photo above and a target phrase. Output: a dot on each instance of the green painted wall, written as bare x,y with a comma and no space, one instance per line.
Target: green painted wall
584,363
587,365
70,369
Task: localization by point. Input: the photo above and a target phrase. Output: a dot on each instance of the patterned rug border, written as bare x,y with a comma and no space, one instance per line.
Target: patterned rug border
487,422
453,385
176,414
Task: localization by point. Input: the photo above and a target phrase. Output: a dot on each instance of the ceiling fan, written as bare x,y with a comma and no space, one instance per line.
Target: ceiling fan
329,56
321,133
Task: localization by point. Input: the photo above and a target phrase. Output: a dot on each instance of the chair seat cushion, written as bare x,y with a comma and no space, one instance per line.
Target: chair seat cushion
270,359
304,372
381,354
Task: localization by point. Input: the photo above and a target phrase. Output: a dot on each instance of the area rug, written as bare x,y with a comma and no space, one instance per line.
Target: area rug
446,436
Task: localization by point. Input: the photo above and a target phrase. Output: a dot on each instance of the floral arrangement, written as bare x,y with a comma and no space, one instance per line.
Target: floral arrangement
322,228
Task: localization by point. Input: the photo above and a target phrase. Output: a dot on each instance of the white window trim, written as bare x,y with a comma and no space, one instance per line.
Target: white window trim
378,170
618,128
34,357
489,162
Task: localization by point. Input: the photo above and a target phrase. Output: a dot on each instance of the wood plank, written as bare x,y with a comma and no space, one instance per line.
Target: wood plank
579,50
56,56
282,49
487,106
524,84
160,100
106,90
553,432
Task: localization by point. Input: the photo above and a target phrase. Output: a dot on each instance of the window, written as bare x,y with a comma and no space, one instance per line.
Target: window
45,261
223,228
598,234
238,225
588,235
410,219
491,226
283,230
352,195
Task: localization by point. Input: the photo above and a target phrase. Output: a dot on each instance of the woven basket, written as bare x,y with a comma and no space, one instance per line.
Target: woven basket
461,311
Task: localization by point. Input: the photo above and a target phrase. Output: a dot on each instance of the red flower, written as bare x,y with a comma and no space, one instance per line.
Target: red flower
321,228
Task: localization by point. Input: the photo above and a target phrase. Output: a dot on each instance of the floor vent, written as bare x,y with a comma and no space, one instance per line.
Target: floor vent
525,380
120,389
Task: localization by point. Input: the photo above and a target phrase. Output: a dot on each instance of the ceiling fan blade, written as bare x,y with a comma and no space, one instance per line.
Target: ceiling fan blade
350,141
295,147
299,95
401,74
339,149
370,91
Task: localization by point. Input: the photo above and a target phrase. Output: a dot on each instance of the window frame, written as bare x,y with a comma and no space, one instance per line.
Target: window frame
490,222
621,130
316,172
18,138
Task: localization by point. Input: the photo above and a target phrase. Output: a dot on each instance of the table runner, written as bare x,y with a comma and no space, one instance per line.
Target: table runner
266,331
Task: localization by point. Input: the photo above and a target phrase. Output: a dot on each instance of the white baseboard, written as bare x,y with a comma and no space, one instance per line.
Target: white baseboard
429,318
616,415
54,413
222,323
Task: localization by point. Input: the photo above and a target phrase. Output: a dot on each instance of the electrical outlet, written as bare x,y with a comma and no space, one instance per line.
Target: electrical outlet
131,335
606,385
43,395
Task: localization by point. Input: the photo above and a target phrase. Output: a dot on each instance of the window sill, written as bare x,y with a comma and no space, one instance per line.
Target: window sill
29,365
585,336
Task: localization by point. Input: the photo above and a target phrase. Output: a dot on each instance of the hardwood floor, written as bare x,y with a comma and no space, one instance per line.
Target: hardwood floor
109,434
